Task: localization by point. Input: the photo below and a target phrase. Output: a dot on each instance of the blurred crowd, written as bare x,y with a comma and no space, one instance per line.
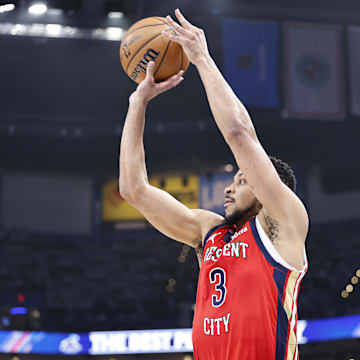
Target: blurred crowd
334,257
143,280
118,282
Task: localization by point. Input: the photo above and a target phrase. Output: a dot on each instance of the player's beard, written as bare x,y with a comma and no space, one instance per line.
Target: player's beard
239,215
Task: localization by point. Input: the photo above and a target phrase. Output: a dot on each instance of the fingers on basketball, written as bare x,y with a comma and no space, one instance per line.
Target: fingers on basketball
144,42
181,30
150,69
174,81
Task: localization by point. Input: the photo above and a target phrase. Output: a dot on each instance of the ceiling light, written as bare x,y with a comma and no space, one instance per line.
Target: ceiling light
53,30
114,33
6,8
60,31
115,15
38,9
17,29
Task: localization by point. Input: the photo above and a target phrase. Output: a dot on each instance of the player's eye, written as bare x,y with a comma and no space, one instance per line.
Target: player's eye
241,181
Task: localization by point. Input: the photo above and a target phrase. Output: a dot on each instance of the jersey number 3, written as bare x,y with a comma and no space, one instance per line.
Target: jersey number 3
218,276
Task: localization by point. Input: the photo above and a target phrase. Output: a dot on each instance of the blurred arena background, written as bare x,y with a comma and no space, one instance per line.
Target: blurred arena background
81,274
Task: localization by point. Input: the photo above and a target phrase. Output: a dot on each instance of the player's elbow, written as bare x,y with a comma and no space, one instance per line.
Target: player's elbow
130,191
124,189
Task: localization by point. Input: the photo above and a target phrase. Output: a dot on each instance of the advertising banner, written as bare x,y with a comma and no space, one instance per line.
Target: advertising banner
354,56
250,52
36,342
184,188
314,77
154,341
212,188
114,207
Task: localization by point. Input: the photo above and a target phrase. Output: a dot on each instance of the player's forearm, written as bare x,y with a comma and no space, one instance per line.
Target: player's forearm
133,174
230,114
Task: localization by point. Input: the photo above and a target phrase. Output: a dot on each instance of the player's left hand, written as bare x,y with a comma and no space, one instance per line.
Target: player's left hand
191,38
148,88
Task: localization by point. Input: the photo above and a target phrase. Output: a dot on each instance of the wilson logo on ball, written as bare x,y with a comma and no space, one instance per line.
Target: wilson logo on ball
126,50
150,55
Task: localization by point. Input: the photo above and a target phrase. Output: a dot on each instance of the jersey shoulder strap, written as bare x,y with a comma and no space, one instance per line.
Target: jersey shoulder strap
212,230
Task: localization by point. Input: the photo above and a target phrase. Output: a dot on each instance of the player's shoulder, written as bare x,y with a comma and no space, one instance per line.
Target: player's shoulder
208,220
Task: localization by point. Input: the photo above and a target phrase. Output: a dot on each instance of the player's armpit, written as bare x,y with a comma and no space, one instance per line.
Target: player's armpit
278,200
171,217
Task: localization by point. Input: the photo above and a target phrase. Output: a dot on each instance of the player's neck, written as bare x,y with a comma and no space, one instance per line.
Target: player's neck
240,223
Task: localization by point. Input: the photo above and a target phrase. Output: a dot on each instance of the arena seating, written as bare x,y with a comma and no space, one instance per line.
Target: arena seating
121,281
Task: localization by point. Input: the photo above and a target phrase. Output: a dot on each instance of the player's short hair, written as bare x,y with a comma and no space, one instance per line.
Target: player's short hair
285,172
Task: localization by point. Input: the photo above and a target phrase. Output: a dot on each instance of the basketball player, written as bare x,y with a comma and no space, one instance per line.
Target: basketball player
251,262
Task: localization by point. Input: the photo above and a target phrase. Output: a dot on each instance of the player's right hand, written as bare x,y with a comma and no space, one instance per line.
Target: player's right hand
148,88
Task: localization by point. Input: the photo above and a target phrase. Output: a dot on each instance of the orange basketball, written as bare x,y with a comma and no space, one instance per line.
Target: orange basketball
144,42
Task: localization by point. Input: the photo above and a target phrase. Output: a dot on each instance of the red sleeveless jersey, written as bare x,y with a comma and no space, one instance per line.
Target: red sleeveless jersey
246,302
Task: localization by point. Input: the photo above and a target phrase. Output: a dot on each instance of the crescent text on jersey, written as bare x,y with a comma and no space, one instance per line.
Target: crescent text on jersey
231,249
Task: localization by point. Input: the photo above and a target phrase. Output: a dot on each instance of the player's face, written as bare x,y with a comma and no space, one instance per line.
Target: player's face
240,202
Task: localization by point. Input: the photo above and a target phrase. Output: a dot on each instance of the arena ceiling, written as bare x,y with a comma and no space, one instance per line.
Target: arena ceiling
66,98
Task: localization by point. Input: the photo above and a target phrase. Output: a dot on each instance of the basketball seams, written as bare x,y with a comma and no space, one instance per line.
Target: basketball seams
166,50
130,61
141,27
182,58
164,22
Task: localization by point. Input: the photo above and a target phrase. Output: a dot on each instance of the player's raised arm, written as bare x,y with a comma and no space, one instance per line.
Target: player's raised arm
234,122
162,210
